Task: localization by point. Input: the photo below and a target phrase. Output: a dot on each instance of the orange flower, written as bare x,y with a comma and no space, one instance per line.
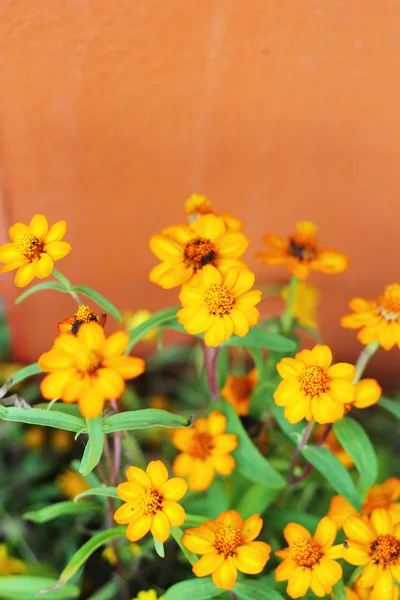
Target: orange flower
84,314
227,545
300,252
238,389
132,320
379,319
309,561
150,502
33,249
360,593
71,483
184,251
198,205
384,495
331,442
376,544
205,449
88,368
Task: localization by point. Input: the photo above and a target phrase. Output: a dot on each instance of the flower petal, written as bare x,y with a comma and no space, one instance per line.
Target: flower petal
53,384
138,527
182,464
230,517
92,336
358,529
201,476
384,588
115,344
325,533
16,230
124,514
157,472
371,574
251,528
289,368
174,512
138,476
216,422
173,489
110,382
249,560
342,371
39,226
322,356
285,570
381,521
91,402
208,563
166,249
294,531
198,540
56,232
341,390
128,367
43,266
368,392
223,464
58,250
299,582
160,527
356,553
129,491
24,275
225,576
240,324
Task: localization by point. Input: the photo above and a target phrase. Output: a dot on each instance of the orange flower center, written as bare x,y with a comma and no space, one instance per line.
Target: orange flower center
227,540
84,314
29,246
199,252
306,552
376,500
301,247
314,380
201,445
388,304
386,549
87,362
218,299
149,502
241,387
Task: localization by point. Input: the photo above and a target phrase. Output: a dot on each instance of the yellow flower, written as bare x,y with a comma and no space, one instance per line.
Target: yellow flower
331,442
84,314
383,495
35,437
300,252
148,595
109,555
205,450
359,593
305,303
71,483
227,545
132,320
9,565
375,544
88,368
151,502
379,319
206,241
61,441
312,388
198,205
219,305
238,389
309,561
33,249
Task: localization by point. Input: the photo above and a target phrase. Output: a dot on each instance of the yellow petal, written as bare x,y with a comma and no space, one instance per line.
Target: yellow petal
358,529
182,464
328,571
58,250
342,371
208,275
56,232
371,574
244,281
381,521
214,336
182,438
251,528
342,391
200,542
110,382
39,226
9,253
43,266
368,392
249,560
230,517
173,489
240,324
325,533
74,386
138,476
138,527
208,563
288,392
334,552
174,512
216,422
392,487
166,249
340,510
91,402
191,296
52,385
299,582
326,410
316,586
24,275
356,553
298,410
16,230
285,570
232,245
210,227
224,577
115,344
160,527
127,366
201,476
223,464
124,514
289,368
385,587
92,336
55,360
157,472
331,262
129,491
169,275
322,356
294,531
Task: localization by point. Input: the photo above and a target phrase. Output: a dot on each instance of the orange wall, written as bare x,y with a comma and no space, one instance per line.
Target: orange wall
113,111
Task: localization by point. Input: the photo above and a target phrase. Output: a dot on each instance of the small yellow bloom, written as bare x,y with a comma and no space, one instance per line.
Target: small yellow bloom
305,303
88,368
219,305
35,437
300,252
33,249
71,483
383,495
132,320
238,390
135,549
109,555
148,595
360,593
227,545
205,450
331,442
150,502
84,314
309,561
185,251
9,565
376,544
379,319
160,402
312,388
61,441
198,205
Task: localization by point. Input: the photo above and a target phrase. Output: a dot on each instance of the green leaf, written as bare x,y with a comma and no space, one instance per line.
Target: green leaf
46,418
258,359
194,520
143,419
392,406
27,587
46,285
60,509
105,492
280,518
255,500
81,555
108,591
99,299
262,338
159,548
19,376
332,469
292,431
160,318
177,534
357,444
94,447
250,462
195,589
338,591
254,590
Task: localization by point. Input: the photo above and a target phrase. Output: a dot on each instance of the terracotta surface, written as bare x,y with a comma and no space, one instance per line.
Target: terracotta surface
113,111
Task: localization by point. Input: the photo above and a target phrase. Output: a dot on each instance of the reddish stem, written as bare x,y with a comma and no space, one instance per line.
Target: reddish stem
210,361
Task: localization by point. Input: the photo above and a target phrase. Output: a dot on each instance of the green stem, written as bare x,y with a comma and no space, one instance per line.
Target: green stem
364,358
67,284
287,315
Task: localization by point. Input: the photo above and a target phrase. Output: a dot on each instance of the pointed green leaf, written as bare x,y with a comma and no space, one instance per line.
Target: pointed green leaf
255,500
332,469
392,406
105,492
262,338
177,534
40,416
159,548
60,509
195,589
254,590
109,591
19,376
46,285
94,447
338,591
28,587
143,419
160,318
99,299
356,442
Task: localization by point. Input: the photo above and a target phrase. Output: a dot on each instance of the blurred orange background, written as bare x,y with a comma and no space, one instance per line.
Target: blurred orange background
113,112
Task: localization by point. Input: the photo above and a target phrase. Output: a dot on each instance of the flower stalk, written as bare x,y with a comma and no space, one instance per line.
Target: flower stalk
210,362
364,358
67,284
287,315
302,443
